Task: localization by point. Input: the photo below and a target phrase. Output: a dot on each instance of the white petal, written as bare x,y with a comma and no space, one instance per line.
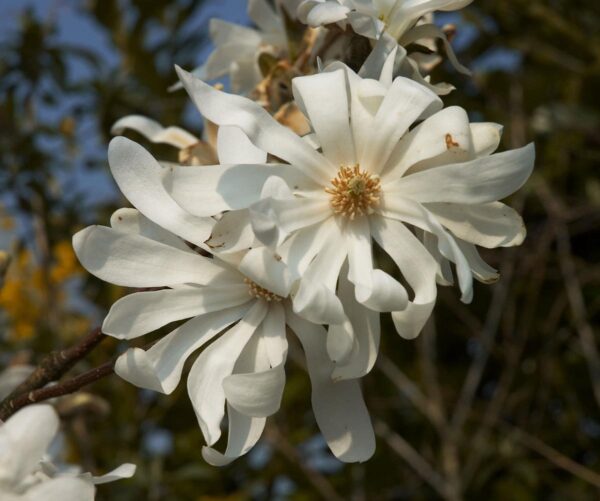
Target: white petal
326,13
373,288
488,225
155,132
222,32
264,16
159,368
234,147
367,26
366,324
415,214
139,177
481,270
324,99
126,470
418,268
143,312
133,221
274,220
479,181
443,138
341,341
232,233
444,273
61,489
272,335
206,191
373,66
339,408
243,431
264,267
262,129
256,394
135,261
215,363
486,138
403,104
26,436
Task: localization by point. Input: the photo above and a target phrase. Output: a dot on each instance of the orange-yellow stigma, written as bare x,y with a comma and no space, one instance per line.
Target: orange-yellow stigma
259,292
354,192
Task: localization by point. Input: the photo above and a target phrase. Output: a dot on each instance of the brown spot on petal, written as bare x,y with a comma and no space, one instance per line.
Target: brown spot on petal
450,143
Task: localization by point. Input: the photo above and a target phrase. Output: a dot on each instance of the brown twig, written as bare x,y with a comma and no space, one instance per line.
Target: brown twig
51,368
57,390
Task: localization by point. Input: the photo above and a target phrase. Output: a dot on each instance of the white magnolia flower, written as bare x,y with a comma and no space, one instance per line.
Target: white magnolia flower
389,158
371,18
243,300
237,47
25,472
395,24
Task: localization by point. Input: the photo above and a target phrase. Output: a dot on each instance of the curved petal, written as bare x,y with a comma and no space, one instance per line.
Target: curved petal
404,102
260,127
326,13
133,221
155,132
339,408
135,261
232,233
139,177
418,268
256,394
444,138
215,363
264,267
234,147
324,99
481,270
486,138
274,220
365,25
126,470
143,312
488,225
159,368
366,324
479,181
413,213
206,191
373,288
243,433
27,434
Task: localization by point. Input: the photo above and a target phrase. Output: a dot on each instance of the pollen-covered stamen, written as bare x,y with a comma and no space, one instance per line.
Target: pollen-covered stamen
354,192
259,292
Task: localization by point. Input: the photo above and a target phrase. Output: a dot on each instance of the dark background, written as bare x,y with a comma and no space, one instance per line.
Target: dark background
499,399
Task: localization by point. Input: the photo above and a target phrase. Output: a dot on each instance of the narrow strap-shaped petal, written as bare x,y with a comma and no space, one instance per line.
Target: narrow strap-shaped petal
262,129
159,368
488,225
135,261
339,408
143,312
404,102
234,147
215,363
139,177
324,99
418,268
415,214
478,181
153,131
126,470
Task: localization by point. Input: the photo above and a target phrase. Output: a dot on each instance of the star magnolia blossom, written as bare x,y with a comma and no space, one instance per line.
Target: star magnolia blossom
238,47
26,474
362,177
371,18
244,299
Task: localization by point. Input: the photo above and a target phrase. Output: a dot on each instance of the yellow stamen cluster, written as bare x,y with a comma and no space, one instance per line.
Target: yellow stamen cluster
259,292
354,192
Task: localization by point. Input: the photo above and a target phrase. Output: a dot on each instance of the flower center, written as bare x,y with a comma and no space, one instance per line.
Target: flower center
354,192
259,292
